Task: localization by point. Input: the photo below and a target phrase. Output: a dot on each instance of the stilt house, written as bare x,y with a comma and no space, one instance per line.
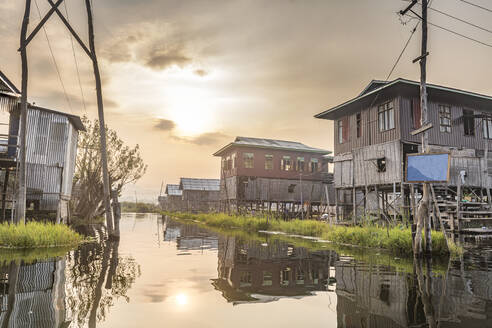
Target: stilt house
375,131
173,200
200,195
266,174
51,150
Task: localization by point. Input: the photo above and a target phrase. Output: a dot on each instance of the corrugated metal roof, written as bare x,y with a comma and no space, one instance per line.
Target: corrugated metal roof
173,190
74,119
7,86
272,144
199,184
376,86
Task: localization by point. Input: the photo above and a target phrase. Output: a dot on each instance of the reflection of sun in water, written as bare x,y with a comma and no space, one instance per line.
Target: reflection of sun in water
181,299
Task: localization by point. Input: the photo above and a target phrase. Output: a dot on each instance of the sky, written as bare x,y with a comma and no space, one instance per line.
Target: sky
182,78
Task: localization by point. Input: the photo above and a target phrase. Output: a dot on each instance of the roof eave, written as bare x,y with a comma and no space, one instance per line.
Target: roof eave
313,151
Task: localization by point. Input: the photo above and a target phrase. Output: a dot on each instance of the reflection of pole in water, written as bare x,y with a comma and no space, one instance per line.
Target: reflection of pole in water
425,290
12,280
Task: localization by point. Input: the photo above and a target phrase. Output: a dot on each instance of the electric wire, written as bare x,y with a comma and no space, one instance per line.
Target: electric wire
76,62
461,20
54,59
477,6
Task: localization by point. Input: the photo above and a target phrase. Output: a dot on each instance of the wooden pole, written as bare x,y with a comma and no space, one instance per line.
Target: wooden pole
4,193
102,125
423,212
354,210
20,213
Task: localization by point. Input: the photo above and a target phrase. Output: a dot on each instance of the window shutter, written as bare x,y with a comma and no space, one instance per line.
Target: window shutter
417,113
346,128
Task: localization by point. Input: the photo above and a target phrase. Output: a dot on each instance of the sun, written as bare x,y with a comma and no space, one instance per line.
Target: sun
181,299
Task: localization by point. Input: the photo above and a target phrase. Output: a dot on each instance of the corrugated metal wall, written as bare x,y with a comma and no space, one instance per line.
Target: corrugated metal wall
51,150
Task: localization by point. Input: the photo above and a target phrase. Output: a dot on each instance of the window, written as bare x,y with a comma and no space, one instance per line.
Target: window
381,164
245,279
343,128
268,162
267,278
487,126
299,276
286,163
234,163
285,276
300,164
468,122
386,117
416,114
291,188
248,160
229,163
444,118
313,167
358,119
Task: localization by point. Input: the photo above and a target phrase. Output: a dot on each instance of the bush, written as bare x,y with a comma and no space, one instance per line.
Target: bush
35,234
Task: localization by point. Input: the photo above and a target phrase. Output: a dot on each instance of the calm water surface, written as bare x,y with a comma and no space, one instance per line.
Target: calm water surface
166,274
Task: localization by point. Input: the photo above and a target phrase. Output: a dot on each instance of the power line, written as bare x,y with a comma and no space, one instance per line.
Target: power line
76,62
401,53
475,5
459,34
461,20
54,59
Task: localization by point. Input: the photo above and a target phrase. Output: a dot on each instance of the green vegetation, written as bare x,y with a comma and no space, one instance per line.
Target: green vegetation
139,207
30,255
36,234
395,239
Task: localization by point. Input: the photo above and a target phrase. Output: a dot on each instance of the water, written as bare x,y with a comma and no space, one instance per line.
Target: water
166,274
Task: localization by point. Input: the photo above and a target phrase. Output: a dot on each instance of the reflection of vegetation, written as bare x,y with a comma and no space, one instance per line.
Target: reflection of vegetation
37,234
96,276
31,255
369,256
139,207
395,239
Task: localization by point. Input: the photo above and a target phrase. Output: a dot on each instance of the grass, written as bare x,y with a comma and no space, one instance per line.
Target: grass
36,234
397,239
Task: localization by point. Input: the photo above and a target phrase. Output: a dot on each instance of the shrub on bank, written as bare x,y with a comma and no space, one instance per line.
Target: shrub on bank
36,234
396,239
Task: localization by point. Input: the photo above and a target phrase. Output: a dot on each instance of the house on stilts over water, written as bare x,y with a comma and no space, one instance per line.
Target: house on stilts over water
274,175
376,131
51,150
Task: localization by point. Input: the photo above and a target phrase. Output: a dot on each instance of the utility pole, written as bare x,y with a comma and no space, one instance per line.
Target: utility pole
20,210
425,136
102,124
91,53
423,210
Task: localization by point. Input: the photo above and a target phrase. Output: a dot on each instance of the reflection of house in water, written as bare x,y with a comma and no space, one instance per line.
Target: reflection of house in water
189,236
40,298
249,271
378,296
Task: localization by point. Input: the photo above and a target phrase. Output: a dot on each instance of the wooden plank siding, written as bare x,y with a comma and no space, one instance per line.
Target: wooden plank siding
370,129
456,138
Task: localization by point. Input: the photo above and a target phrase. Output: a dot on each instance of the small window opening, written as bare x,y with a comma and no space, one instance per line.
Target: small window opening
381,163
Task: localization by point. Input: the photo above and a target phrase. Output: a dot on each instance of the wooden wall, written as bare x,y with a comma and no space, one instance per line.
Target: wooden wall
252,189
370,129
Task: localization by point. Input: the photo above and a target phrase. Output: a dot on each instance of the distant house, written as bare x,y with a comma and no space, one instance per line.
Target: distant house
173,199
51,150
200,195
258,173
373,136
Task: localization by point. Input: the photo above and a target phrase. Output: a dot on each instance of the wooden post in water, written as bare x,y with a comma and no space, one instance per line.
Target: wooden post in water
20,206
102,125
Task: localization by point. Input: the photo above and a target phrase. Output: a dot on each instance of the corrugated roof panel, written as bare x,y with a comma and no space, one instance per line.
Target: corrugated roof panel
173,190
275,144
200,184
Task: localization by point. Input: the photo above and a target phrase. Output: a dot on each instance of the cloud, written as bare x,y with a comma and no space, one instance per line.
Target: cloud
162,58
164,125
200,72
154,45
204,139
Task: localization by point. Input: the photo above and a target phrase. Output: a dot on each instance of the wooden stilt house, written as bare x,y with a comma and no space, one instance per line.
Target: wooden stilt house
274,175
375,131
